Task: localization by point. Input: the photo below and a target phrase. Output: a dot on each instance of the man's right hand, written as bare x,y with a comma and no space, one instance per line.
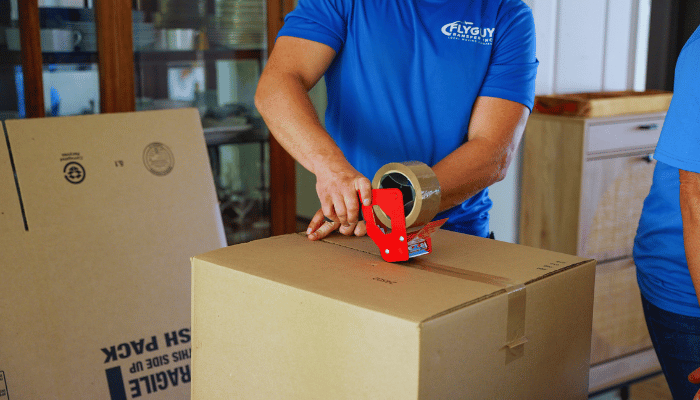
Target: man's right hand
337,187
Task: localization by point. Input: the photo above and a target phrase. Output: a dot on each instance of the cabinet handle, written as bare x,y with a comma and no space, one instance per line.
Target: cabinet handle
648,127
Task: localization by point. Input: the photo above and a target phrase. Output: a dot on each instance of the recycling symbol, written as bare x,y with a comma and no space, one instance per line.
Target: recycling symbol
74,172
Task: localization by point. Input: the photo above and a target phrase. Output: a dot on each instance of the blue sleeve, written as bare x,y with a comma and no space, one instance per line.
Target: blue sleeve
323,21
513,67
679,143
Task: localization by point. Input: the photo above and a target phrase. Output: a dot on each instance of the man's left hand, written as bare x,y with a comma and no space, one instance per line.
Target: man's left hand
320,227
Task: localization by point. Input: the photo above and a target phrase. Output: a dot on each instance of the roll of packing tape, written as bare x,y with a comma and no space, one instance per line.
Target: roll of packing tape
420,189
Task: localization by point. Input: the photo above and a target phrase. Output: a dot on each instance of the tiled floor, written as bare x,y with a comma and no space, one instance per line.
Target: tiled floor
654,388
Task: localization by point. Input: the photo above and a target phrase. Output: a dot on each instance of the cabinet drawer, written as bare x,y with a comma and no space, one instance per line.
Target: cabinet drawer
623,136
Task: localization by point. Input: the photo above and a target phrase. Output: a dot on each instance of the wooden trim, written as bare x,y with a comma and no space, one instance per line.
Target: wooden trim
115,48
282,165
32,65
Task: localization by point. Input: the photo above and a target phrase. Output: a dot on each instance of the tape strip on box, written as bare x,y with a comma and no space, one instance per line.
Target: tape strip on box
517,296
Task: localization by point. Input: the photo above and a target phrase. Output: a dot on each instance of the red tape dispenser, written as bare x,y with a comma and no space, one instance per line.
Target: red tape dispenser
406,195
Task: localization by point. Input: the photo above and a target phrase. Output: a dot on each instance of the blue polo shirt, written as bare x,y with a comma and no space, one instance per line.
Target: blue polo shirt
406,75
659,254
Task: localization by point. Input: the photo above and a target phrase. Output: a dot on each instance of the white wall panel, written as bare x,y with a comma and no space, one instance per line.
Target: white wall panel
620,44
545,14
580,45
643,15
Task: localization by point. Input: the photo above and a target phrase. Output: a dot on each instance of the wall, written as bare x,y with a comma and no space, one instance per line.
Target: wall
594,45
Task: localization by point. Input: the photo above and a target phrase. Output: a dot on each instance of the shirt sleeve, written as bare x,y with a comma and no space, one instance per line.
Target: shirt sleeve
679,143
513,66
323,21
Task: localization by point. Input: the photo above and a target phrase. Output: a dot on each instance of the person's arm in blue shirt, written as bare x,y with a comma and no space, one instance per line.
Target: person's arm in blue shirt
690,213
495,129
294,67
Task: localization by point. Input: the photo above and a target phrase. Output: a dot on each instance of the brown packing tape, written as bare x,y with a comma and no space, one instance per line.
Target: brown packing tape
516,316
517,300
426,187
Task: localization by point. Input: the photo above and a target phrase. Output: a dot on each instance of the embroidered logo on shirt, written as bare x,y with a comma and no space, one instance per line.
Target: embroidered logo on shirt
468,32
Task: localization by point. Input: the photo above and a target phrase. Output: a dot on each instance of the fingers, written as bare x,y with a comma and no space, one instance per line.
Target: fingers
316,222
343,208
694,377
319,228
324,230
348,230
365,188
338,194
349,212
360,229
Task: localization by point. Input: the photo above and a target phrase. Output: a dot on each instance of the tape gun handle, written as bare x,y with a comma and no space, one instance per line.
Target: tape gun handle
392,243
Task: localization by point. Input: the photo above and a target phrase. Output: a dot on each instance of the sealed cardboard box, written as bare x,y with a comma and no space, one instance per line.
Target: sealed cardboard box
289,318
99,218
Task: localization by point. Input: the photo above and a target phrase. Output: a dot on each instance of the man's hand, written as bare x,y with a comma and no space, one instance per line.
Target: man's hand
694,377
337,186
319,227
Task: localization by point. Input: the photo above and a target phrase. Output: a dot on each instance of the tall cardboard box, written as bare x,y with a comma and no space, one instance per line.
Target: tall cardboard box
99,218
477,319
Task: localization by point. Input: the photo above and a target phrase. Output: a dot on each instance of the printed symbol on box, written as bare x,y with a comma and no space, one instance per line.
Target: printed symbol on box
158,159
3,386
74,172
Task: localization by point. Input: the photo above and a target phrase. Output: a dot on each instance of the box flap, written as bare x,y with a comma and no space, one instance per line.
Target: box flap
100,280
73,169
346,269
10,210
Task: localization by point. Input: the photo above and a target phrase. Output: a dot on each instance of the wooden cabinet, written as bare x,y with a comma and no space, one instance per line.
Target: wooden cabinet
119,67
584,181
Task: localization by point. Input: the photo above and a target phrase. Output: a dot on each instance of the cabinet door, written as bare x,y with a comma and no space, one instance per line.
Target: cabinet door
618,320
612,195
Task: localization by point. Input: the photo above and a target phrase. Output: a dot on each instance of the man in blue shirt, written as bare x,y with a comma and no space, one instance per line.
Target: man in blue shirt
446,82
667,245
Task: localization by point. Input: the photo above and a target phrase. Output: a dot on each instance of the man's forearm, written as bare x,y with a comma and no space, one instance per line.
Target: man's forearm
496,128
460,180
284,104
690,212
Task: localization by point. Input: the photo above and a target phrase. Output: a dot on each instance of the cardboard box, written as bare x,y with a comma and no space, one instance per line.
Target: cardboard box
603,104
99,218
289,318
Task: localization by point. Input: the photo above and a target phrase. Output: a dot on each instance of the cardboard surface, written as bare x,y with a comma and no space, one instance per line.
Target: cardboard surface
289,318
95,301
